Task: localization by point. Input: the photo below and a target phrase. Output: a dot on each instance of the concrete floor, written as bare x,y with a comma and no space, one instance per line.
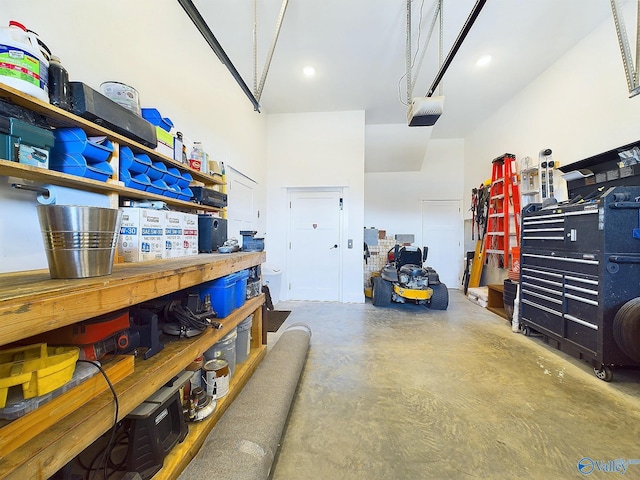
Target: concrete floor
408,393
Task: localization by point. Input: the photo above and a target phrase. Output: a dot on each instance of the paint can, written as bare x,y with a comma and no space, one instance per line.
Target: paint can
123,95
196,368
215,375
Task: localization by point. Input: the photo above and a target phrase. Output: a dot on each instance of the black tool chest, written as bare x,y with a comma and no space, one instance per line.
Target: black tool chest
579,264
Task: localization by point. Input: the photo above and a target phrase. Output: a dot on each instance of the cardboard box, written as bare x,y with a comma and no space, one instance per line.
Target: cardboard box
190,234
141,234
173,234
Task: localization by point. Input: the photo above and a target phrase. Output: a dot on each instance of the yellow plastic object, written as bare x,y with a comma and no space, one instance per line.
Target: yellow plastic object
38,368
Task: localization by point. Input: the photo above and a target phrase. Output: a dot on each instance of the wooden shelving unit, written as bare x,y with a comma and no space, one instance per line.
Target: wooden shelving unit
32,303
57,117
495,301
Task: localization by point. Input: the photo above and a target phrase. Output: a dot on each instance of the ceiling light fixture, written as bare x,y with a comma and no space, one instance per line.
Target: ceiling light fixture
483,61
309,71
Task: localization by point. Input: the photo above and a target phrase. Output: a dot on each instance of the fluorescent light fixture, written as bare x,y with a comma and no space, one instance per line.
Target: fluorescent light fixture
483,61
309,71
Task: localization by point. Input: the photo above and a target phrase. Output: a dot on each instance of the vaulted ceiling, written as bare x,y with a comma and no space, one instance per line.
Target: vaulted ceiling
358,51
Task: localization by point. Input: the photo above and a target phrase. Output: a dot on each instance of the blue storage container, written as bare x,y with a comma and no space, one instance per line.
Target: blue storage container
186,194
135,164
75,140
240,287
185,181
139,181
152,115
157,170
172,191
173,177
157,186
76,164
221,292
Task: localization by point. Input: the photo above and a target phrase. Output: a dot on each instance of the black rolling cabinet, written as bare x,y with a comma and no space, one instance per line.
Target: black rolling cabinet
580,263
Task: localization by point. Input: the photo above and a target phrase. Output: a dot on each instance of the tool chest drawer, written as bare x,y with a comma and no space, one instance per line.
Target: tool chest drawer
540,317
543,231
568,228
582,263
582,333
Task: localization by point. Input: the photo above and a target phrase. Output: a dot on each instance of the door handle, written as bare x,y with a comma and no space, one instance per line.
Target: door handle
335,246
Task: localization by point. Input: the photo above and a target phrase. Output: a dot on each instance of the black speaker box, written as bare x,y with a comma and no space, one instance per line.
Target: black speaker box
212,233
95,107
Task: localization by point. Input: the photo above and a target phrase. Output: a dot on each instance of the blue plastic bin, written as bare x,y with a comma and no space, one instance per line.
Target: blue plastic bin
221,292
75,140
172,191
153,116
186,194
157,186
76,164
139,181
240,288
185,180
157,170
135,164
174,176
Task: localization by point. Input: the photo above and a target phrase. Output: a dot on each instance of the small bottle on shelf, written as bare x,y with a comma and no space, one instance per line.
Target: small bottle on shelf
179,152
58,84
196,157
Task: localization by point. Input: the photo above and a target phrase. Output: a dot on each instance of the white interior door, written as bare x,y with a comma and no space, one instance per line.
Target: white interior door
313,256
442,232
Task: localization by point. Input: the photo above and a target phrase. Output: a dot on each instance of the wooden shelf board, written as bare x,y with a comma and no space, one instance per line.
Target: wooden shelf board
42,457
61,118
33,302
498,311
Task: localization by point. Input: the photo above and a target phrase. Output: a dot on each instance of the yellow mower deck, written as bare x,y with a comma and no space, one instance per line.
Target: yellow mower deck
413,294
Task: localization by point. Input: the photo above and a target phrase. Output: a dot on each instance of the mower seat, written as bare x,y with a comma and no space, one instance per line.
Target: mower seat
411,256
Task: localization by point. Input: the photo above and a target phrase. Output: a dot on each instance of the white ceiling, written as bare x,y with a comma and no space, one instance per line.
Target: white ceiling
358,49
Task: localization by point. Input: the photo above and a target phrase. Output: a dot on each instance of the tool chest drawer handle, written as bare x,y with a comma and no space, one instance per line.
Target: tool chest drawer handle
624,259
624,205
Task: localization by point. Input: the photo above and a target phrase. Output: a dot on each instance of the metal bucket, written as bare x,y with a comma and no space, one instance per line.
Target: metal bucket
80,242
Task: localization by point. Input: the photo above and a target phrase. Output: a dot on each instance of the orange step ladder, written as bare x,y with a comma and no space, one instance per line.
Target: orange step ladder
504,213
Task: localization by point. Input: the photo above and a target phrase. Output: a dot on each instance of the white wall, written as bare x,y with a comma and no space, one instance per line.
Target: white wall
579,107
393,200
153,46
317,150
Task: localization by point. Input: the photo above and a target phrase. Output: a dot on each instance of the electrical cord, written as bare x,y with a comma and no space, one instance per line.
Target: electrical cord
187,319
105,459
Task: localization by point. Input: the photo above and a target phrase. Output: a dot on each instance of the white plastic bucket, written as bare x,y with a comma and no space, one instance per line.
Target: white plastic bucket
226,349
243,341
122,94
22,64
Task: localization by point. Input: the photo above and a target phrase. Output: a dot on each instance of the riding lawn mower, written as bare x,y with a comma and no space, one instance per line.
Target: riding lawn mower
404,278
